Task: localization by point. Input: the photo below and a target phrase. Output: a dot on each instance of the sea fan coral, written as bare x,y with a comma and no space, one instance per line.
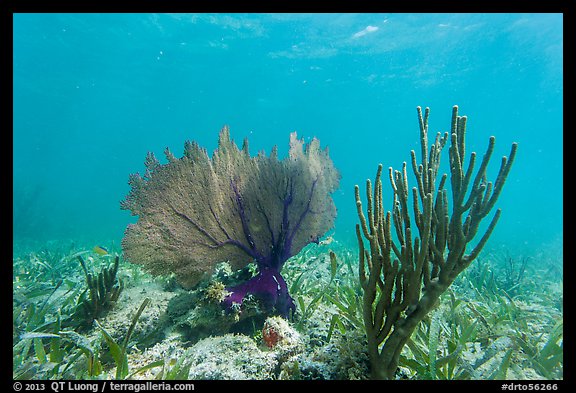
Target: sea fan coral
195,212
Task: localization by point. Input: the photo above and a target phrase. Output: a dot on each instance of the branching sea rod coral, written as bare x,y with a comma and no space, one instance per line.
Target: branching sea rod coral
195,212
402,277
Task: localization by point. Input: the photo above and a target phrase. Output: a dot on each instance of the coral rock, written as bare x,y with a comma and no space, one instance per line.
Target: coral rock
278,335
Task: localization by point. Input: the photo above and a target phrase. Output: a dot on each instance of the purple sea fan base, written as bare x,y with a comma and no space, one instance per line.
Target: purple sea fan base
269,287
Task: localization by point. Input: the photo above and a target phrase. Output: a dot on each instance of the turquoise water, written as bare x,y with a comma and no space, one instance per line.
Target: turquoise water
93,93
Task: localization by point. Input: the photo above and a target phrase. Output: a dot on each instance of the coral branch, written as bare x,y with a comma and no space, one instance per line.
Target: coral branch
403,277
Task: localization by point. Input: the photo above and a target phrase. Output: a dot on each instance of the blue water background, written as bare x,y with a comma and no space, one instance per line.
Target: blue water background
93,93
